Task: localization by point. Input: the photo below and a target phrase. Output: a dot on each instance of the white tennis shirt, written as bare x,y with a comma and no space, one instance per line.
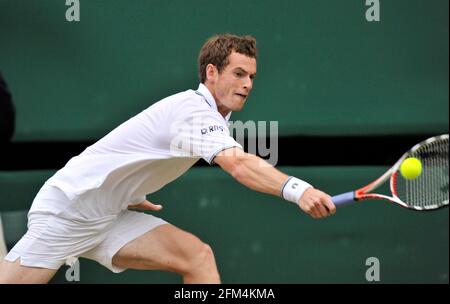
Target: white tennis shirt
145,153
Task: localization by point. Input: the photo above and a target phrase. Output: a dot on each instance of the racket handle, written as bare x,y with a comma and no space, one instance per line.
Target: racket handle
344,199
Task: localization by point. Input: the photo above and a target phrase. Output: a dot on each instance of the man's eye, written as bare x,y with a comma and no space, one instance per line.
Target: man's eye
239,74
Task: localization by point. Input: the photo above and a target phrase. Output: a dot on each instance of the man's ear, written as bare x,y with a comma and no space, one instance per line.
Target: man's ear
211,72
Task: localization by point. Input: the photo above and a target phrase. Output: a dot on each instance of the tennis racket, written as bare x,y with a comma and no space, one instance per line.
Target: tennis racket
426,192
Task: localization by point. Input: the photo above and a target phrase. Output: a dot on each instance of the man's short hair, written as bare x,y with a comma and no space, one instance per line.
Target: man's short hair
217,49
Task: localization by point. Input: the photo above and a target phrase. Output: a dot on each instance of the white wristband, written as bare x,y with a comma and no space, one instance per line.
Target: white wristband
293,189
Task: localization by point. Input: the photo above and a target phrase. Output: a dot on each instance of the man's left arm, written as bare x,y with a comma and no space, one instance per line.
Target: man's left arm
256,174
145,205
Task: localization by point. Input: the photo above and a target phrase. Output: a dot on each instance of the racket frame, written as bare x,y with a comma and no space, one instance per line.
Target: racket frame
392,174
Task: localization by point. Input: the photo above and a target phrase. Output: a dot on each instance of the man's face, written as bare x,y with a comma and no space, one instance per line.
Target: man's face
233,85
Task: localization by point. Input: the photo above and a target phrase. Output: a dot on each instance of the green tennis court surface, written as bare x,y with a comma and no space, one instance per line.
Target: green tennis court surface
261,239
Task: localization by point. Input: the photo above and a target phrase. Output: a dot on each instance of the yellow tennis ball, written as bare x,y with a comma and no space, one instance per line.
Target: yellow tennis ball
411,168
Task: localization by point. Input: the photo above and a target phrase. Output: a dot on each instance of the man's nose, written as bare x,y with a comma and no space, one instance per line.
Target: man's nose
248,83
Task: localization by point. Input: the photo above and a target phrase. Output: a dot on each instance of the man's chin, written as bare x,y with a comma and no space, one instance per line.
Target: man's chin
240,105
238,108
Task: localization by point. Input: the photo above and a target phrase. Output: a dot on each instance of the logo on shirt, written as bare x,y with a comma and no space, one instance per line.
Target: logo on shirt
212,128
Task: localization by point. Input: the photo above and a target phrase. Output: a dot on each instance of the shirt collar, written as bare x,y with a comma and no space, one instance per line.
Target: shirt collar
204,91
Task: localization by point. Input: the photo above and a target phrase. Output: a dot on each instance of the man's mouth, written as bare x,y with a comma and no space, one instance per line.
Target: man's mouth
242,95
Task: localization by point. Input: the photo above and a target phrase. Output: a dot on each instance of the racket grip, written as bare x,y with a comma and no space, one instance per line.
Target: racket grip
344,199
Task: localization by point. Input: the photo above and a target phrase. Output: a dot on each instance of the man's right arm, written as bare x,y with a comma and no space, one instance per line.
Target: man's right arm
256,174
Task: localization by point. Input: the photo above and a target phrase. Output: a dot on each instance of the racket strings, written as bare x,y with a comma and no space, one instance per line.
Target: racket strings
430,189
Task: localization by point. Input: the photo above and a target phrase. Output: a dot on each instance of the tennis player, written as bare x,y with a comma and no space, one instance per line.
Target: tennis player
84,209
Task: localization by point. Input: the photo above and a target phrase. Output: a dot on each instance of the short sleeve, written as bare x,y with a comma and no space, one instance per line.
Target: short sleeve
200,133
138,200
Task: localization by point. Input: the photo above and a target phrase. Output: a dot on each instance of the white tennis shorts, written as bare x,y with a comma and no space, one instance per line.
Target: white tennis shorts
54,239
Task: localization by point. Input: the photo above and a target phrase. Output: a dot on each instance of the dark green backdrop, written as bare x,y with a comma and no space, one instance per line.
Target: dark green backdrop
323,69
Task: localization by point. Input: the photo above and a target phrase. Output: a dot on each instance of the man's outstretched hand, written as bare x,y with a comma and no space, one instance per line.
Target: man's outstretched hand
317,203
146,205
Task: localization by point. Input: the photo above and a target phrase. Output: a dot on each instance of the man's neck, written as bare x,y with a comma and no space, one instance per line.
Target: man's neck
220,108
